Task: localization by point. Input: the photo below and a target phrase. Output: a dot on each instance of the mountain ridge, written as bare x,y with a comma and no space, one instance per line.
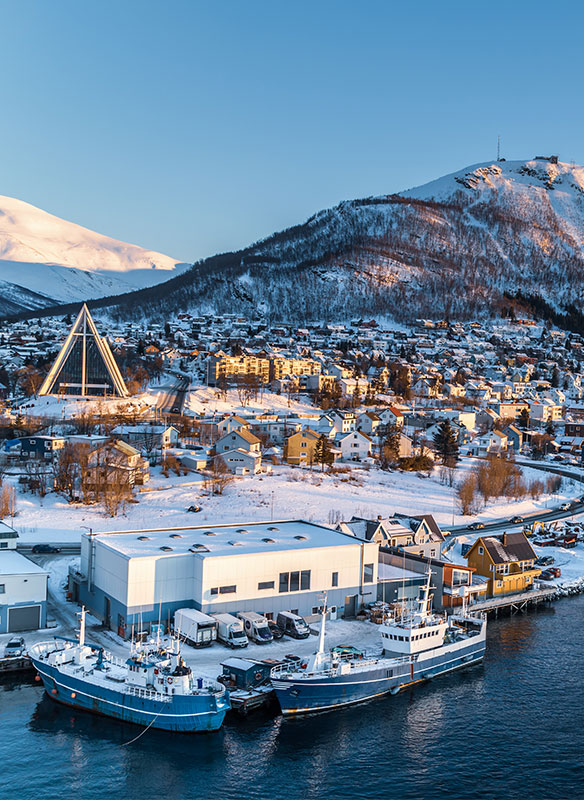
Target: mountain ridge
456,247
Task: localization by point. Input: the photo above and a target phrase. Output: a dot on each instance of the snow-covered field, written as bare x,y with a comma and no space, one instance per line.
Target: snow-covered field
288,493
66,408
208,400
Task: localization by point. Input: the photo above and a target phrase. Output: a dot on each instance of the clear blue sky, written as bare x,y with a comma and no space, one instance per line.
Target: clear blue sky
197,127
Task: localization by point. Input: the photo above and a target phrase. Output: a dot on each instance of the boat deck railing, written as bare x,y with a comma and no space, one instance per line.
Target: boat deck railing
331,672
148,694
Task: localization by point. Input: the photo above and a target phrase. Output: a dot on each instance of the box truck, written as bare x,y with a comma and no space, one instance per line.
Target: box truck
255,627
194,627
230,630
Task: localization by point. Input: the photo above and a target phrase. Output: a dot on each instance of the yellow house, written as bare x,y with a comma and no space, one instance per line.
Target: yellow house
508,561
299,448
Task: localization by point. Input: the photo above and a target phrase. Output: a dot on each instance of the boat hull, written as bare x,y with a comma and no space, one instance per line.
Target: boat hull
183,714
302,695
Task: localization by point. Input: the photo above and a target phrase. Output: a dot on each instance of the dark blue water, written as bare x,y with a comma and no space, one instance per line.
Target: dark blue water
513,728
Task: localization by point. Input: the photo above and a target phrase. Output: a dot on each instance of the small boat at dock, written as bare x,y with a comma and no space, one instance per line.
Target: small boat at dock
154,689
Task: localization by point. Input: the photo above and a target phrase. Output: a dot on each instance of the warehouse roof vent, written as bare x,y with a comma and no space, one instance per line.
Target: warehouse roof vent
144,538
269,541
236,544
198,548
273,528
242,530
301,538
165,548
210,533
175,536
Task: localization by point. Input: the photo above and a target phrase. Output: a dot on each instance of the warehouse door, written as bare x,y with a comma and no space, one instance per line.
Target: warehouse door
24,618
350,605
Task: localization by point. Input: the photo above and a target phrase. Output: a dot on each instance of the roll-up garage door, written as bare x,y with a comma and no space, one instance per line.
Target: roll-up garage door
24,618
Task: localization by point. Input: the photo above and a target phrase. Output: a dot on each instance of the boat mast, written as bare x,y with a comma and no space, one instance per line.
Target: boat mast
82,627
320,654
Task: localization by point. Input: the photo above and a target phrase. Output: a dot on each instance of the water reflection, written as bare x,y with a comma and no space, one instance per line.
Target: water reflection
439,739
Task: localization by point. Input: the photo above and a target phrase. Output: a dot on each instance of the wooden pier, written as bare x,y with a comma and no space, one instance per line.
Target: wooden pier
515,603
15,664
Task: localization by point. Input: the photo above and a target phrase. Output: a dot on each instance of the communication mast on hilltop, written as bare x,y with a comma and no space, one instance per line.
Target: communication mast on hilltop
498,148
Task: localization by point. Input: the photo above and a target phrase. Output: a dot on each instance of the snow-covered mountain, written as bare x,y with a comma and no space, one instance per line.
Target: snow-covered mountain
450,248
45,259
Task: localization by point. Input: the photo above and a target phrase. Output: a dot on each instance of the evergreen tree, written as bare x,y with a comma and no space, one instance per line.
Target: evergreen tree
524,419
549,428
323,452
446,444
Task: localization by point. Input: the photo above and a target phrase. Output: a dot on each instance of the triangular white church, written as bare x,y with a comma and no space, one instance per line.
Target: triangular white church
85,366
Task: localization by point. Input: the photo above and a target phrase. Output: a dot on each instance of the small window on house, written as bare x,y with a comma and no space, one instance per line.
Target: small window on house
335,579
3,545
481,551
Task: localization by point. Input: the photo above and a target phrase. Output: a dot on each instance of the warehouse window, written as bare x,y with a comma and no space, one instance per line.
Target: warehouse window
215,590
294,581
227,589
305,579
284,582
367,573
335,579
2,588
266,585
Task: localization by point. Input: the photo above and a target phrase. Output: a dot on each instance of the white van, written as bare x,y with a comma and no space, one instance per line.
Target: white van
293,625
194,627
255,626
230,630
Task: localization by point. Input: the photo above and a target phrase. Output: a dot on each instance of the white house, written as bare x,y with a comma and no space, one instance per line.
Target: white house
354,446
238,439
241,462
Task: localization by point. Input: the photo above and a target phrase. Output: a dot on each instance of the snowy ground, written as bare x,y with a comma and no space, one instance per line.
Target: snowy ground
68,407
208,400
285,494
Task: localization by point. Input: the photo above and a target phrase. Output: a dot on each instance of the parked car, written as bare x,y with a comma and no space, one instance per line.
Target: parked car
565,507
14,648
476,526
545,561
555,571
517,518
547,575
194,509
276,632
45,548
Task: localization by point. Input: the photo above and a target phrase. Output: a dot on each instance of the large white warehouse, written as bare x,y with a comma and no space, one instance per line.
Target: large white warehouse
140,577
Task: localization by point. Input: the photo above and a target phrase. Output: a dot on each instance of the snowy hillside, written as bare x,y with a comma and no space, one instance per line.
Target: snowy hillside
451,248
454,248
44,259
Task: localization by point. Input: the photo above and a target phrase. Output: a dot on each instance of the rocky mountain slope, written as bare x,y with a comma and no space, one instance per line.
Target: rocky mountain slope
44,259
451,248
